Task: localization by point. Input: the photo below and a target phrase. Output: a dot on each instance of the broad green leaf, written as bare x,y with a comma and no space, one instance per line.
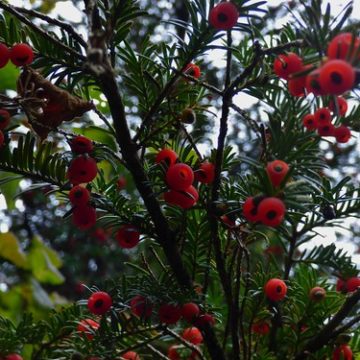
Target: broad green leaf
40,296
10,250
8,76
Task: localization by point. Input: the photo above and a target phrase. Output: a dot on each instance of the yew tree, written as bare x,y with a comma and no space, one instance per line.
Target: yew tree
170,172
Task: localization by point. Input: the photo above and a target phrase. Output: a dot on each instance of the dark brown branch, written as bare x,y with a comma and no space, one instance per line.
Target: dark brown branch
326,334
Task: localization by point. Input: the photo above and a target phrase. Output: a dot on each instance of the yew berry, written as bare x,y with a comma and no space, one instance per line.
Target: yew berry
121,183
88,327
192,335
13,357
4,55
167,155
336,77
190,311
84,217
206,173
184,199
277,171
352,284
127,236
169,313
322,116
179,176
250,208
285,65
260,327
176,352
204,320
275,289
223,16
192,70
21,54
309,122
79,195
4,118
317,293
296,86
81,145
313,83
2,139
340,46
342,352
271,211
100,235
340,285
188,116
342,105
82,169
99,303
130,355
342,134
326,129
141,307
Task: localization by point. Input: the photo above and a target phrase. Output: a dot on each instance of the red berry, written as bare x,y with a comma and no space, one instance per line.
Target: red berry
192,335
4,119
121,183
192,70
342,105
79,196
4,55
13,357
141,307
322,116
82,169
88,327
167,155
271,211
206,173
21,54
317,293
326,129
313,83
84,217
128,236
130,355
2,138
309,122
339,47
100,235
336,77
205,319
184,199
81,145
99,303
176,352
340,285
179,177
285,65
275,289
352,284
169,313
342,134
342,352
190,311
223,16
250,208
277,171
260,327
296,86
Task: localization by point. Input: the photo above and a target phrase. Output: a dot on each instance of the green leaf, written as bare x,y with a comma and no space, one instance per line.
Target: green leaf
10,250
8,77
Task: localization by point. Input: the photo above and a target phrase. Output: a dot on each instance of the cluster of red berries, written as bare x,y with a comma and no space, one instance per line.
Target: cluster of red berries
19,54
321,121
348,285
171,313
179,178
269,211
82,169
4,122
224,16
